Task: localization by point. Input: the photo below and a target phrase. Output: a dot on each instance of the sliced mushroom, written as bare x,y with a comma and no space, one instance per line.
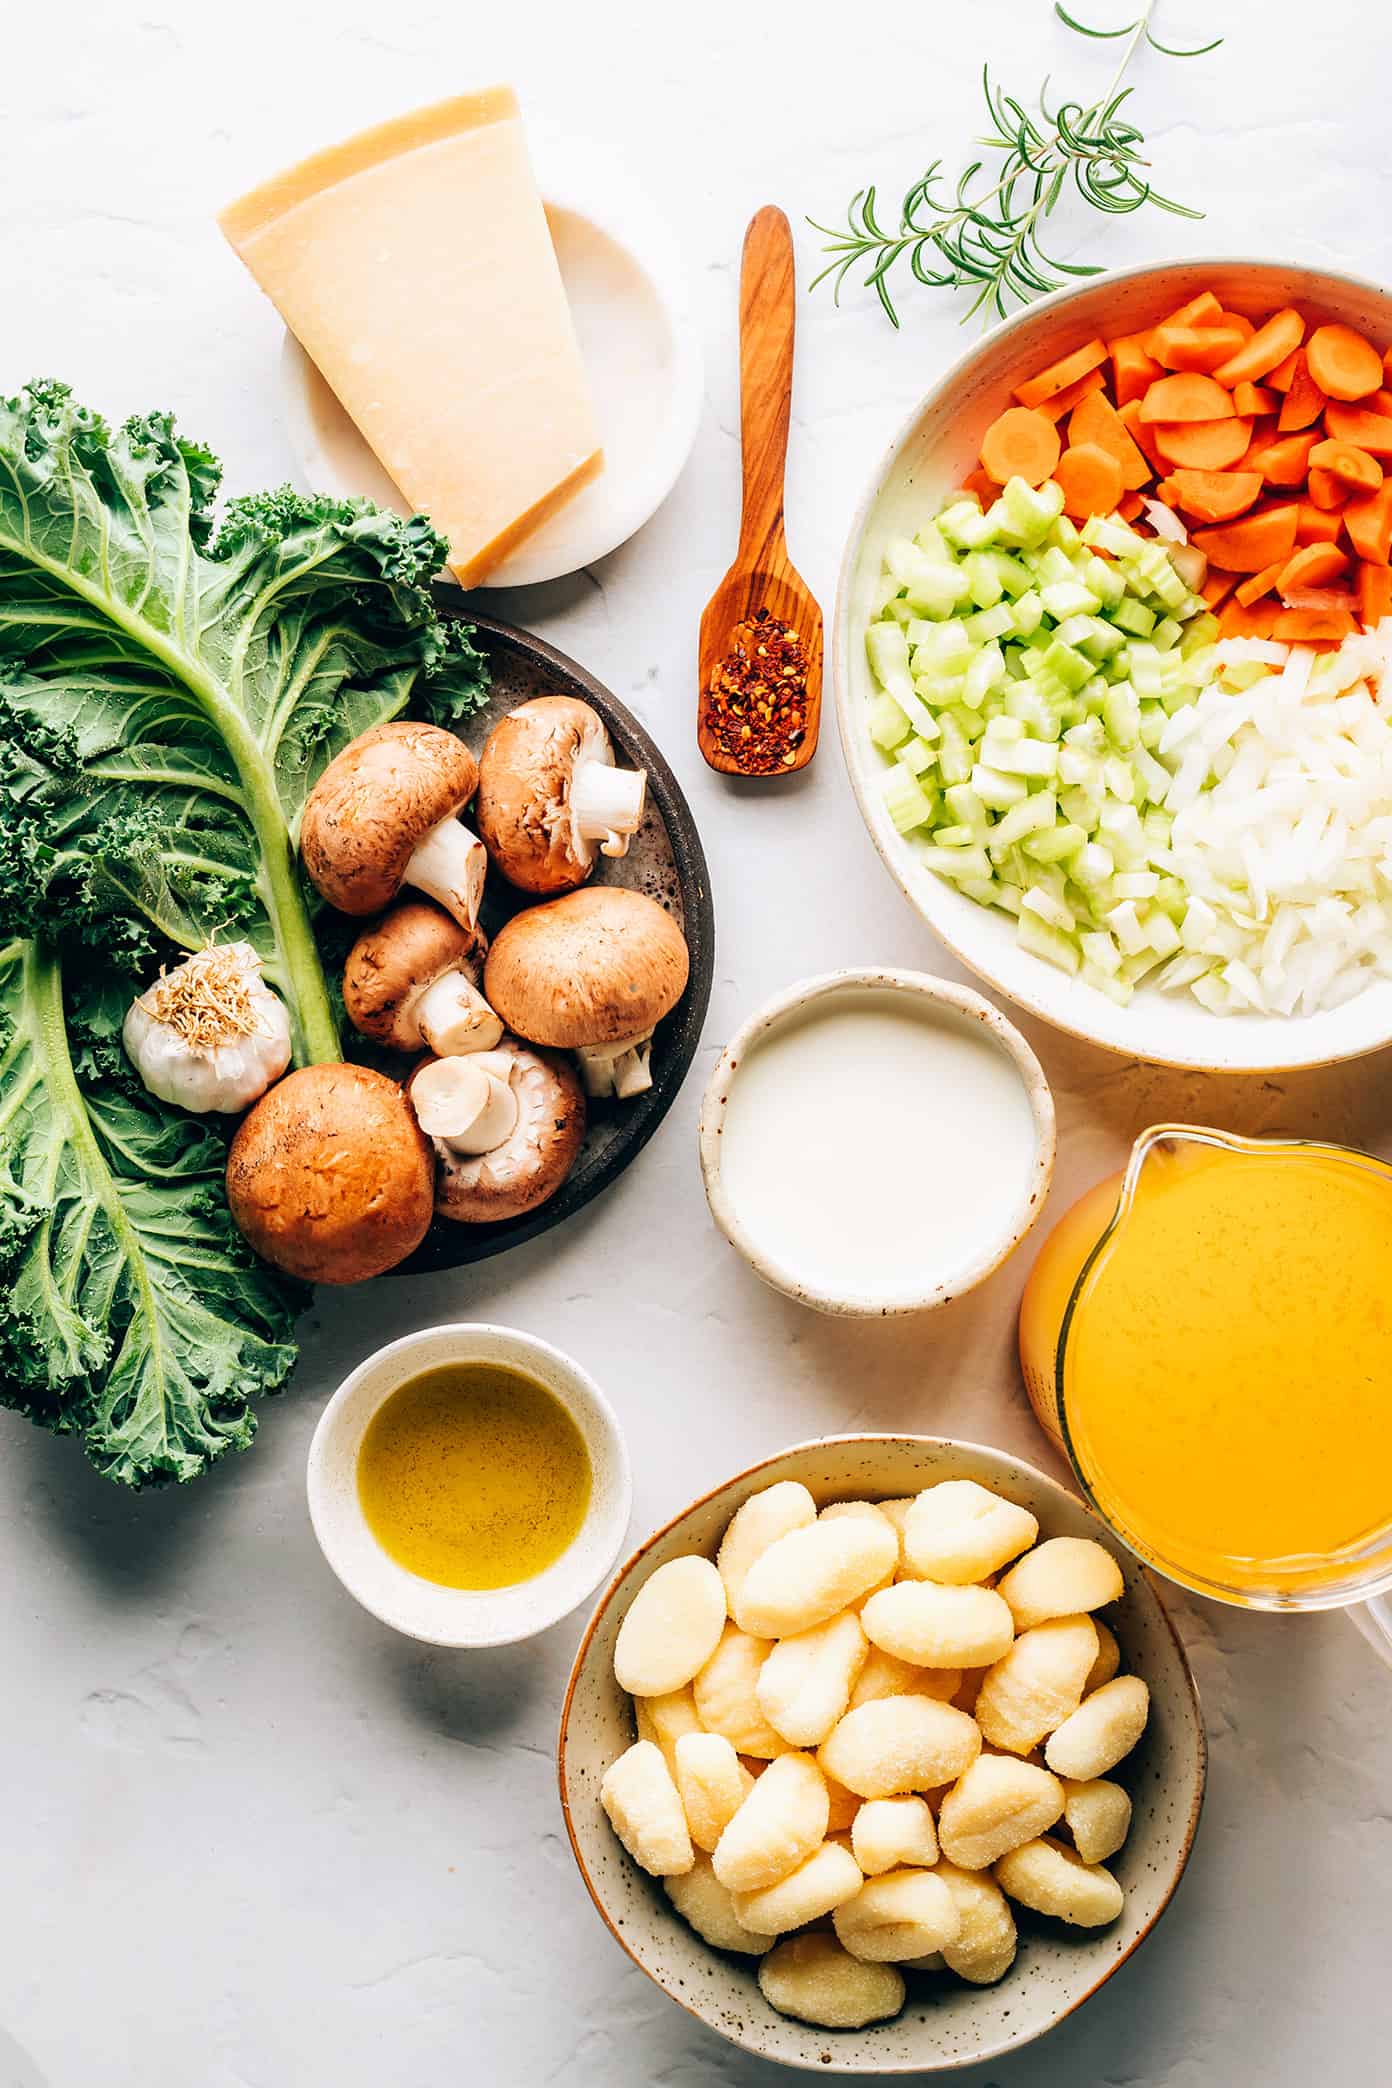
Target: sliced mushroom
592,973
412,980
329,1177
383,814
550,795
525,1166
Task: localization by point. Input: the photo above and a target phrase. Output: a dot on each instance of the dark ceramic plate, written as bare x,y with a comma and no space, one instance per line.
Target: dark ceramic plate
665,860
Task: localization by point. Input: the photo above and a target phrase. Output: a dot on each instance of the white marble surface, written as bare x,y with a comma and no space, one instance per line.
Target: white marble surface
252,1840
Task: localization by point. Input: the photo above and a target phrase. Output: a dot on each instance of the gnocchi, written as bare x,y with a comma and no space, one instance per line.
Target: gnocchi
820,1883
888,1833
1062,1577
807,1576
712,1784
1037,1684
663,1720
984,1949
673,1626
815,1980
638,1794
904,1914
780,1823
885,1675
764,1518
899,1744
1104,1728
805,1684
935,1626
1108,1658
998,1803
726,1695
1054,1880
1098,1816
960,1532
700,1898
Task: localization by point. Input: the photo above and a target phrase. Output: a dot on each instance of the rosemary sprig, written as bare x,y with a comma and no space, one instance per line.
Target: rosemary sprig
991,239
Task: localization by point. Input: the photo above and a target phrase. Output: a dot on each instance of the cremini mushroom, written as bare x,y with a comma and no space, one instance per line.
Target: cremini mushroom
550,795
384,814
412,981
484,1172
330,1176
591,973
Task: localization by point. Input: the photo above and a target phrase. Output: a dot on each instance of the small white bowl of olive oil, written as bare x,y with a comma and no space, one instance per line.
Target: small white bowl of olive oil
469,1485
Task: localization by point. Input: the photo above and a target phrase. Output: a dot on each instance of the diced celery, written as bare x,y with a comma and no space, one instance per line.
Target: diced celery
1071,667
1043,941
1098,638
1125,924
956,862
1078,768
954,752
1167,633
983,582
1027,706
965,527
908,805
1136,884
1099,949
948,645
985,671
955,837
1161,932
1028,757
989,623
916,755
1065,534
1053,567
1029,608
1030,511
1064,598
1105,581
996,791
1134,616
888,648
966,807
1032,817
1014,575
1093,866
888,725
1056,845
1121,714
1043,905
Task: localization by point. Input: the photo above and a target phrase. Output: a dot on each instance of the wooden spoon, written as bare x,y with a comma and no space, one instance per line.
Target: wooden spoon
763,576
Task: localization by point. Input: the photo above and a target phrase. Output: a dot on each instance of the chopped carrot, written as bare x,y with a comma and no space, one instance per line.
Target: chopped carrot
1263,438
1130,506
1020,444
981,486
1308,626
1240,321
1062,403
1281,378
1091,480
1213,445
1203,310
1343,460
1141,433
1374,593
1366,431
1387,361
1380,402
1061,374
1323,490
1286,461
1368,520
1134,368
1236,622
1194,347
1260,584
1269,345
1304,401
1168,491
1255,398
1343,364
1097,420
1317,525
1315,565
1216,496
1187,396
1217,587
1247,546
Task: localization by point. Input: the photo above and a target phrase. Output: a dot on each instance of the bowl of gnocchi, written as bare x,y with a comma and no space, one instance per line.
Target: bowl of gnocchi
883,1756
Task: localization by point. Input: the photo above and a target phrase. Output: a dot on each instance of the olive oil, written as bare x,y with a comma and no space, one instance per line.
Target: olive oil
473,1476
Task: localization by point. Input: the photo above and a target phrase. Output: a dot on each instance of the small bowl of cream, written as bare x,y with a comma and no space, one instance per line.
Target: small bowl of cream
877,1142
469,1485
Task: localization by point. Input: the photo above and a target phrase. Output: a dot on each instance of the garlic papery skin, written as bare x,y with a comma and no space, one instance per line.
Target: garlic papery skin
606,805
466,1103
453,1017
623,1069
209,1036
450,866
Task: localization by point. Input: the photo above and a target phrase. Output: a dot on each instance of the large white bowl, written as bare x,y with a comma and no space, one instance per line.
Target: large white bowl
926,460
945,2024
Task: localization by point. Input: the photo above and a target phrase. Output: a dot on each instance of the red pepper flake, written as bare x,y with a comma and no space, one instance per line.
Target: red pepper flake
756,700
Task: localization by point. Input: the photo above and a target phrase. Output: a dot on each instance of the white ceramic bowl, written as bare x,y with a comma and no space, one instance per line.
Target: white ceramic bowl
945,2024
1018,1210
926,460
459,1616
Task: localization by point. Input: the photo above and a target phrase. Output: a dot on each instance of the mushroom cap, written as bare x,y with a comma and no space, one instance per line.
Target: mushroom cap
533,1161
394,961
330,1176
524,780
374,803
592,968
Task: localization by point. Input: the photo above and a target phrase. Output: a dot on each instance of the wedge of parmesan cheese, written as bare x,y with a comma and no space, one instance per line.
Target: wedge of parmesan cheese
414,265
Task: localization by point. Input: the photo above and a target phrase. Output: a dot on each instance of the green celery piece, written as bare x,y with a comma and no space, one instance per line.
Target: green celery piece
134,1315
1043,941
888,725
916,755
1133,616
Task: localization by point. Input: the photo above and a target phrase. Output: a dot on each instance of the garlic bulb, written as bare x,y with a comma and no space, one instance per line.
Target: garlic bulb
210,1034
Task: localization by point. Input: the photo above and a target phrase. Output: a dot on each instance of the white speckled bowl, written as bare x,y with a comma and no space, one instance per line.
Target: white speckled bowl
1018,1211
461,1616
945,2024
929,457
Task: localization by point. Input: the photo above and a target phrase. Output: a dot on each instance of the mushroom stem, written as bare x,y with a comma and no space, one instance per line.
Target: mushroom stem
454,1018
449,865
467,1104
606,804
623,1068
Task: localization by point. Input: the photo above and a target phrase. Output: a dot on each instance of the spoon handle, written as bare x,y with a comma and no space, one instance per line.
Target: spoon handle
767,308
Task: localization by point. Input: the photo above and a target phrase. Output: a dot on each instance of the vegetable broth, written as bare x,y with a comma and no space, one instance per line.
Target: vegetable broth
473,1476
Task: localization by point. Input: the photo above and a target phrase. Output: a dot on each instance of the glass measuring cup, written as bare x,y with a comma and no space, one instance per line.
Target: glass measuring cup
1209,1340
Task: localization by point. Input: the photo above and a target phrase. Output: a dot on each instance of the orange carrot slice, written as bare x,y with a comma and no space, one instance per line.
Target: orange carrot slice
1315,525
1257,541
1235,621
1129,506
1239,320
1061,374
1063,402
1203,310
1097,420
1286,460
1380,402
1214,445
1281,378
1315,565
1304,401
1020,444
1368,520
1194,347
1141,434
981,486
1269,345
1311,626
1366,431
1217,587
1187,396
1343,364
1374,593
1216,496
1325,491
1134,368
1091,480
1255,398
1343,460
1260,584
